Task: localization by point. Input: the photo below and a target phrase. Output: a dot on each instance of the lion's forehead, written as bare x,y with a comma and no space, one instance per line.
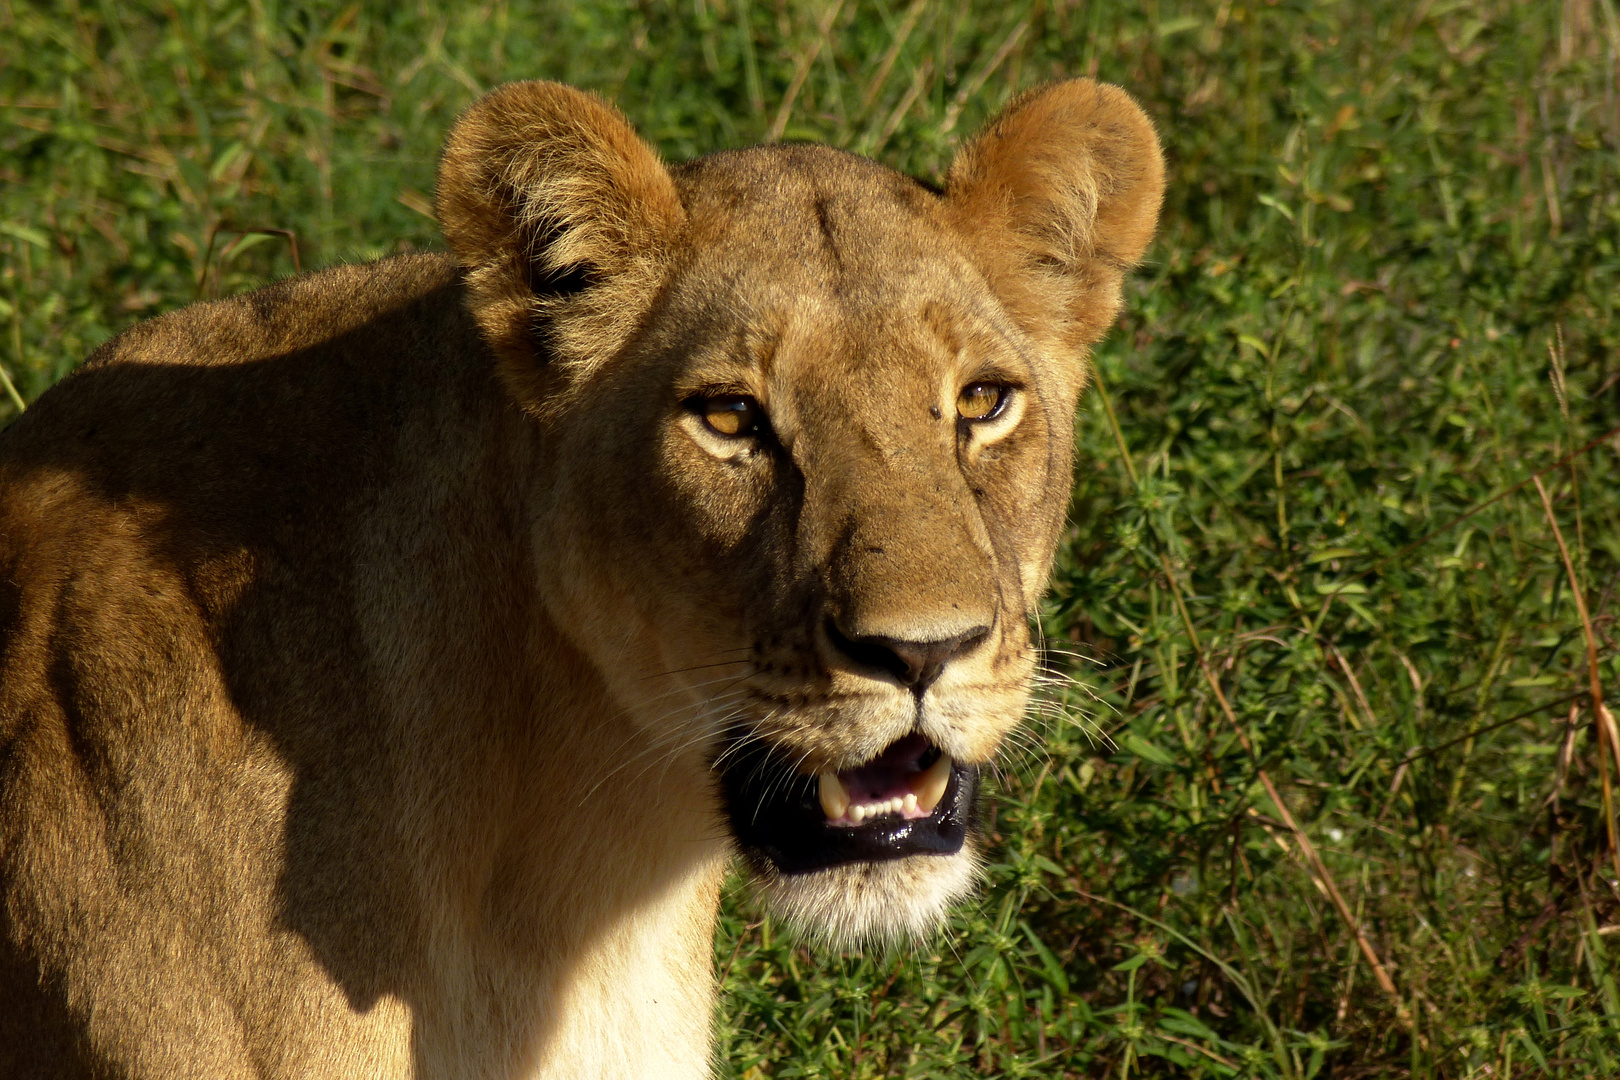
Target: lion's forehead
791,180
826,271
824,213
915,323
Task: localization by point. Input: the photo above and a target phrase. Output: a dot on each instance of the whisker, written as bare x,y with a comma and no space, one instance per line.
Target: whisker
743,659
692,688
665,746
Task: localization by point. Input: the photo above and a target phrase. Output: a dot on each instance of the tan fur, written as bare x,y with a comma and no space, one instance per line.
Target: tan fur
366,642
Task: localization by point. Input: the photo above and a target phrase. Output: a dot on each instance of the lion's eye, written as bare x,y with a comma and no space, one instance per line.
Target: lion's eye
732,415
980,400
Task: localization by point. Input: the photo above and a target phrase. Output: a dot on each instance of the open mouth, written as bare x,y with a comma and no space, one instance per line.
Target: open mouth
909,800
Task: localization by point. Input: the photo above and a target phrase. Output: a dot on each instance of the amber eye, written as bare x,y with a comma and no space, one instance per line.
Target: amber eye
980,400
732,415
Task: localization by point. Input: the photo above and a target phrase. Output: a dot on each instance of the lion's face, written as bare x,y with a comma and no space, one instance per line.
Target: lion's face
807,427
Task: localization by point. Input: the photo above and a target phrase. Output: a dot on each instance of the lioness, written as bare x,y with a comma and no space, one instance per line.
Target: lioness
393,658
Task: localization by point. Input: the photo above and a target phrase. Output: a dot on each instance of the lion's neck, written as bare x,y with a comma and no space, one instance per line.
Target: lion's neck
577,925
558,914
638,998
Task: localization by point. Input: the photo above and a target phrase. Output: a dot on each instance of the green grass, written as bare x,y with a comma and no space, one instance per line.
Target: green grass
1385,291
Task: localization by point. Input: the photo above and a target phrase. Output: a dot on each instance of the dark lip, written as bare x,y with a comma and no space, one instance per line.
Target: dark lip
777,819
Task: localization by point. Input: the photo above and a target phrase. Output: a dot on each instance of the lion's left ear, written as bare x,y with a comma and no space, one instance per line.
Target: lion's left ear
1060,196
565,221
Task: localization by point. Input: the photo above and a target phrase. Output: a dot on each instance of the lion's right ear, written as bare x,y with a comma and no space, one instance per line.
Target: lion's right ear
565,221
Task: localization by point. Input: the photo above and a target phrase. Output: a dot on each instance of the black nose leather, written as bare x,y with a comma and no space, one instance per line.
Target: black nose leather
915,663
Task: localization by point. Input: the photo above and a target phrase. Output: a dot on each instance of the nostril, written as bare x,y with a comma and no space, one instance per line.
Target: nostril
916,664
871,652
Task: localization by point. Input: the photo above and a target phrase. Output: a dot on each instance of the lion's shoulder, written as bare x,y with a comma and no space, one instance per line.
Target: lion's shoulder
290,315
198,448
222,395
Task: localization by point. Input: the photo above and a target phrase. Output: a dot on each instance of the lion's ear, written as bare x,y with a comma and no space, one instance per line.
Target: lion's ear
1060,196
565,221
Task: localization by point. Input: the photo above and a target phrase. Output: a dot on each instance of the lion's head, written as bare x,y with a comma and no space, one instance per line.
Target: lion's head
809,428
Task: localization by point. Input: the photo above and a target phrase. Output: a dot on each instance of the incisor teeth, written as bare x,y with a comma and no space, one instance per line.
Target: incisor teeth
931,784
930,788
834,798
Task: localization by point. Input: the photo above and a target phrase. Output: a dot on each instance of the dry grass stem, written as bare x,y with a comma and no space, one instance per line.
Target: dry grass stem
801,70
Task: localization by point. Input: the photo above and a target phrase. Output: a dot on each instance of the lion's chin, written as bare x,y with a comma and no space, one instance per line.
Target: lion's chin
872,903
875,853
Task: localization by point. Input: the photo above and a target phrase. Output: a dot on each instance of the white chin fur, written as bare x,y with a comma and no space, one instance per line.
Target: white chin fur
880,903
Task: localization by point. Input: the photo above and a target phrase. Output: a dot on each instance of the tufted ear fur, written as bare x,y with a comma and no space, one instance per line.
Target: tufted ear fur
565,222
1060,196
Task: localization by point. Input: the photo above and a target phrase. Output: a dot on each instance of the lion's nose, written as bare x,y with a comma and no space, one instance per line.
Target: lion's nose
915,663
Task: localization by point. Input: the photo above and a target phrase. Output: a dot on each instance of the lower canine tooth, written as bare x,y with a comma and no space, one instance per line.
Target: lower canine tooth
931,784
834,798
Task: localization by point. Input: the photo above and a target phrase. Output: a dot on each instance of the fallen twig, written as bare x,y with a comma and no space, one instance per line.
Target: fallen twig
1608,740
